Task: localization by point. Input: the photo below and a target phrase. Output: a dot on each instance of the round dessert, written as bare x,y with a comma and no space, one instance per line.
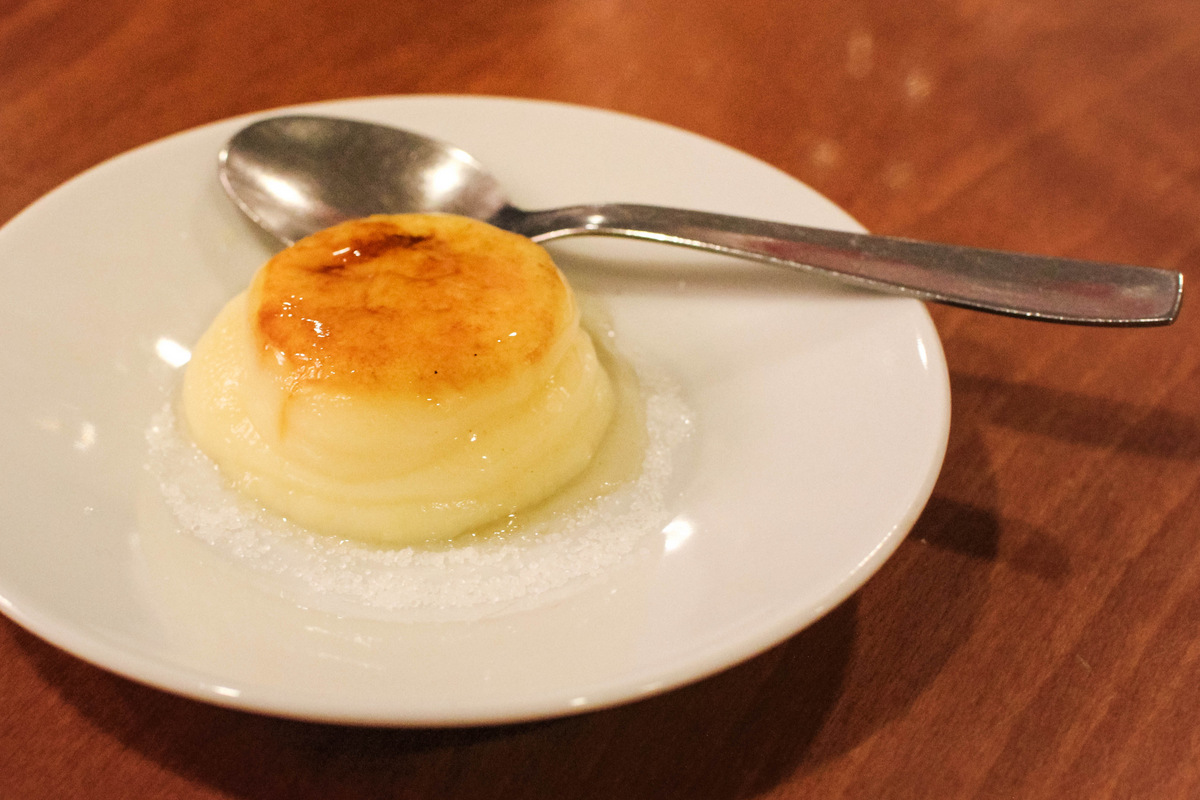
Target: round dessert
400,378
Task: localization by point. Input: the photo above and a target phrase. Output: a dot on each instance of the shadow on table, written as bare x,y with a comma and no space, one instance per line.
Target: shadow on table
1082,419
728,736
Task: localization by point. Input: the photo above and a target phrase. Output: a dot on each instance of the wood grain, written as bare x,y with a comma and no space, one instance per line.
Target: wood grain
1037,635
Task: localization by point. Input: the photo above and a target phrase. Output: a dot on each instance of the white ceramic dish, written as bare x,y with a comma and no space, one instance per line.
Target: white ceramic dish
820,421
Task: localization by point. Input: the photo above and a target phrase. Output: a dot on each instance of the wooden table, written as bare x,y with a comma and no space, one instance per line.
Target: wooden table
1037,634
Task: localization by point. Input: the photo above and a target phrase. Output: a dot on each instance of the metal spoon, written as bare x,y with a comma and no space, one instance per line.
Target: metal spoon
295,175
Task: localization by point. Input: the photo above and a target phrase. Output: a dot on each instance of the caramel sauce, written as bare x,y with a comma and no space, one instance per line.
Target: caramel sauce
434,302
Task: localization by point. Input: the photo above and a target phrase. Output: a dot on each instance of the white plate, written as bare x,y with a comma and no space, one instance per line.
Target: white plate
820,421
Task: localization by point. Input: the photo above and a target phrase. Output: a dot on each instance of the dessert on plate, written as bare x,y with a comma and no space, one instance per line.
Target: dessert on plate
400,378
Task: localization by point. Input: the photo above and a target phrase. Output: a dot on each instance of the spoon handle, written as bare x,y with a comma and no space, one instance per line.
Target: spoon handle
1035,287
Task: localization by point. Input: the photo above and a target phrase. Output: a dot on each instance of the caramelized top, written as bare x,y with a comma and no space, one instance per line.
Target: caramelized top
434,303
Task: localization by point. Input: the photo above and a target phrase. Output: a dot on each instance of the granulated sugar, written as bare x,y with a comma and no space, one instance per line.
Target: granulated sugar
528,559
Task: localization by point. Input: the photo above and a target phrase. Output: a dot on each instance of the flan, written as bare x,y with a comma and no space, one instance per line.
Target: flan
400,379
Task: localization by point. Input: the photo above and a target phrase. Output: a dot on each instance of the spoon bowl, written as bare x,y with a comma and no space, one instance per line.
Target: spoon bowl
295,175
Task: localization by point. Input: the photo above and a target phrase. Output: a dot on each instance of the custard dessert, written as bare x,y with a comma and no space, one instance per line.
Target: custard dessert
400,378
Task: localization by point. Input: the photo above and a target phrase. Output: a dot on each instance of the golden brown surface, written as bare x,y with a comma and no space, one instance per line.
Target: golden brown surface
433,304
1038,633
399,379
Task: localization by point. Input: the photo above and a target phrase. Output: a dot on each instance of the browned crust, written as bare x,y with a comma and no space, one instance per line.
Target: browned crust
432,302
